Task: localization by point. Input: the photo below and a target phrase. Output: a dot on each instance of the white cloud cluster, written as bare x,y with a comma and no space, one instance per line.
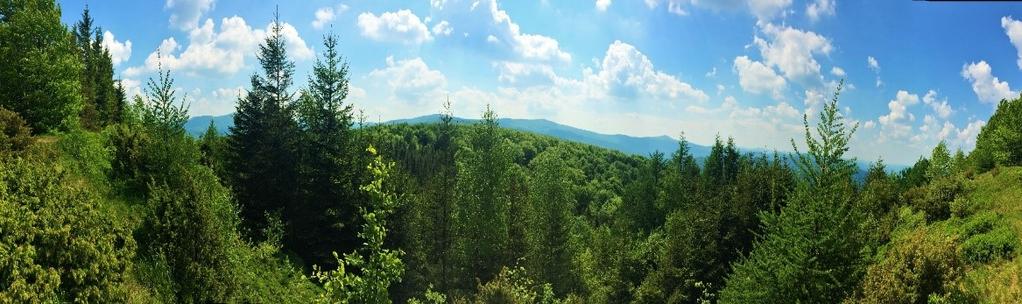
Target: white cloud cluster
792,51
528,46
874,66
820,8
325,15
443,28
1013,28
940,106
756,77
602,5
410,79
402,26
988,88
217,102
894,124
223,51
625,72
837,72
119,51
185,14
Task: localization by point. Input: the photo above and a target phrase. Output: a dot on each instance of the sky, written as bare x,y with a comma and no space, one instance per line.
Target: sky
914,72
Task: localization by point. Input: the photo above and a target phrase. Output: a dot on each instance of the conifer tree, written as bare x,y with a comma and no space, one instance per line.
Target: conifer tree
940,162
40,69
262,140
552,198
331,166
810,249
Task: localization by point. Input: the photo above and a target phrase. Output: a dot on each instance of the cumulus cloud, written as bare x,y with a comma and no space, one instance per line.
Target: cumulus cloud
185,14
988,88
224,51
874,66
602,5
792,51
820,8
755,77
216,102
837,72
528,46
940,106
1013,28
325,15
119,51
626,72
402,26
443,28
519,73
410,79
894,124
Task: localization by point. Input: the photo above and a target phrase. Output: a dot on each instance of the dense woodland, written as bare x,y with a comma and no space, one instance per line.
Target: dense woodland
105,198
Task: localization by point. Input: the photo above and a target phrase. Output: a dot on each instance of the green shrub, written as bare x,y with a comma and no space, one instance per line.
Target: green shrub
936,202
14,133
55,244
1000,242
512,285
918,265
86,154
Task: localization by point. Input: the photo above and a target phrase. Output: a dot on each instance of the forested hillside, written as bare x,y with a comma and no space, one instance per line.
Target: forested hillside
106,198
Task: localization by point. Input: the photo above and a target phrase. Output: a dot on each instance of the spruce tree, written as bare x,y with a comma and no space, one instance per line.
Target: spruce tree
262,140
552,198
331,164
810,251
40,69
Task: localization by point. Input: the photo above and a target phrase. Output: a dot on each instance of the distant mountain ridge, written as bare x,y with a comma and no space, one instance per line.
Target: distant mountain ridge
636,145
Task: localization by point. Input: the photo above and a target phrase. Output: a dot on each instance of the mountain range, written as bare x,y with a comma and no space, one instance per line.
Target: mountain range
636,145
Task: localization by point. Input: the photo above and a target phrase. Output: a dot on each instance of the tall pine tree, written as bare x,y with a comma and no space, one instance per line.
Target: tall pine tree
262,140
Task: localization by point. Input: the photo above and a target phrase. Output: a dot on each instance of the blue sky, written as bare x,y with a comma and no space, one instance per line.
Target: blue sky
915,72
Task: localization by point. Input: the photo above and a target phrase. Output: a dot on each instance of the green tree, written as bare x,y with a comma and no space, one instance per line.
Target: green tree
376,266
550,254
941,164
1000,140
40,70
101,102
483,213
810,250
331,165
262,157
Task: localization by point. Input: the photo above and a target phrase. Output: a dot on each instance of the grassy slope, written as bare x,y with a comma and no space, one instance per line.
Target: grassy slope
999,191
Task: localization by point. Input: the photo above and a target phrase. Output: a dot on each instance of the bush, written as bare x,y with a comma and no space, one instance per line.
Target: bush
918,265
14,133
512,285
937,198
1000,242
55,244
86,154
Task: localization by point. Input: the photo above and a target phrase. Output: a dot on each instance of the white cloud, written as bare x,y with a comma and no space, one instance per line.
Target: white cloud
119,51
940,106
819,9
217,102
873,64
988,88
224,52
712,73
437,4
442,29
869,124
894,123
528,46
402,26
185,14
1013,28
755,77
492,39
602,5
410,79
525,73
837,72
625,72
325,15
792,50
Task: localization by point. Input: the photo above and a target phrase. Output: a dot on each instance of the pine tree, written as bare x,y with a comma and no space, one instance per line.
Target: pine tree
552,198
331,166
483,214
98,88
810,252
262,140
40,70
164,113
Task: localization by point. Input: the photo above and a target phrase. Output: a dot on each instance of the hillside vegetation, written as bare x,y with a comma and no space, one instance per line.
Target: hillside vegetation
108,200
